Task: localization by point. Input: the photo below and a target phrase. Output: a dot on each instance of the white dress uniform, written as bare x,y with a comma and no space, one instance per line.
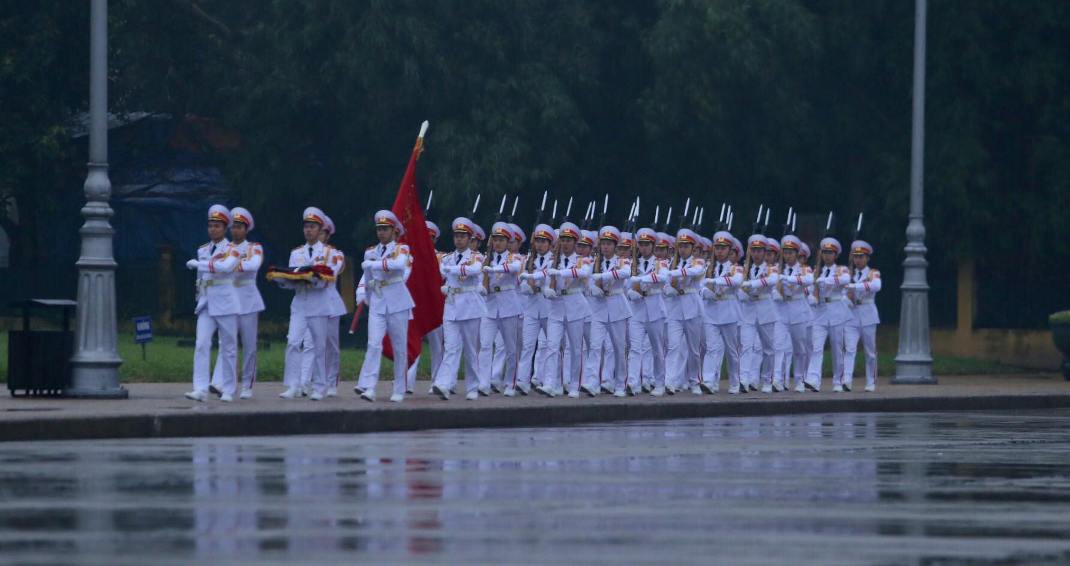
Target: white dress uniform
646,327
250,305
536,314
463,313
831,314
759,318
795,279
722,320
503,309
568,311
610,313
217,310
685,315
308,314
382,286
865,283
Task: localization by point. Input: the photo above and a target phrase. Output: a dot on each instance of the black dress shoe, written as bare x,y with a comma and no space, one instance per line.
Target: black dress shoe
215,391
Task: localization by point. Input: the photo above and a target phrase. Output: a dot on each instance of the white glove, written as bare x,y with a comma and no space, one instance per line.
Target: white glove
553,272
192,264
707,293
445,289
670,291
362,299
486,269
526,290
483,290
549,293
635,278
633,295
366,264
525,276
597,292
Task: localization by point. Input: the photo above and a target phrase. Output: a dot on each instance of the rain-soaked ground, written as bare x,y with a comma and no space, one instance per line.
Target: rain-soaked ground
943,488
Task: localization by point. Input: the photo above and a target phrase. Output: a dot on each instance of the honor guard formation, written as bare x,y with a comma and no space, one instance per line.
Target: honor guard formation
623,311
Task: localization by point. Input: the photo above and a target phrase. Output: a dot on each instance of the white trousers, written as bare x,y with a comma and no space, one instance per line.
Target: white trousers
379,325
247,329
649,337
818,334
556,332
781,351
460,337
498,362
682,357
227,327
334,351
722,340
316,327
800,352
851,335
490,331
434,344
610,369
532,355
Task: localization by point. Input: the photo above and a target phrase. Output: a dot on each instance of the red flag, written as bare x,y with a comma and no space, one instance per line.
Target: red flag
425,282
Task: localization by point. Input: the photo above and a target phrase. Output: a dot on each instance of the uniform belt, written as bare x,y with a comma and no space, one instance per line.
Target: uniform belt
614,293
724,298
688,291
789,297
244,282
216,282
831,299
380,283
500,288
863,301
650,292
459,290
564,292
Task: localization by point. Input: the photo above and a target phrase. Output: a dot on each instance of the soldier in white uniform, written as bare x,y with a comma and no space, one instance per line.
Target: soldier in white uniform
865,283
830,315
795,279
250,303
685,315
386,266
537,310
433,337
646,327
781,335
501,271
759,317
563,286
610,312
217,307
336,260
308,311
464,310
722,316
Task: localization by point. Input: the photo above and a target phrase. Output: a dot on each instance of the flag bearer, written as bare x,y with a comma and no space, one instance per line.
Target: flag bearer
217,307
463,313
386,266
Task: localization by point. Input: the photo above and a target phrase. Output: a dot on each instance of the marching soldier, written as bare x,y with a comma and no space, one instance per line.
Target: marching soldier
756,334
463,314
646,327
217,307
537,309
501,269
336,260
685,315
795,279
568,310
309,310
250,303
610,313
382,286
722,315
865,283
781,334
830,315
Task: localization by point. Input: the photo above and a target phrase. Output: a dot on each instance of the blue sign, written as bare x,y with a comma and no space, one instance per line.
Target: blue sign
142,329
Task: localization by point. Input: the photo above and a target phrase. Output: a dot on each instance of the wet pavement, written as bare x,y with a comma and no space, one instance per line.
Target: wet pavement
942,488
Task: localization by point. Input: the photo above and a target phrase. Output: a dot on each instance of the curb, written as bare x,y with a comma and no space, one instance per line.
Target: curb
341,421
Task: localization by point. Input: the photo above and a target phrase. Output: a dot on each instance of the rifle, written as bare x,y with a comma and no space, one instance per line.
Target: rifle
529,264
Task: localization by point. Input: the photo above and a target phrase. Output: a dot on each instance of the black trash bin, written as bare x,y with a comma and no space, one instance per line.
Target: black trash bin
39,361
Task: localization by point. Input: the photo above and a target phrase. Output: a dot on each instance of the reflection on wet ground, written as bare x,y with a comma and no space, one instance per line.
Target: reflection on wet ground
824,489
